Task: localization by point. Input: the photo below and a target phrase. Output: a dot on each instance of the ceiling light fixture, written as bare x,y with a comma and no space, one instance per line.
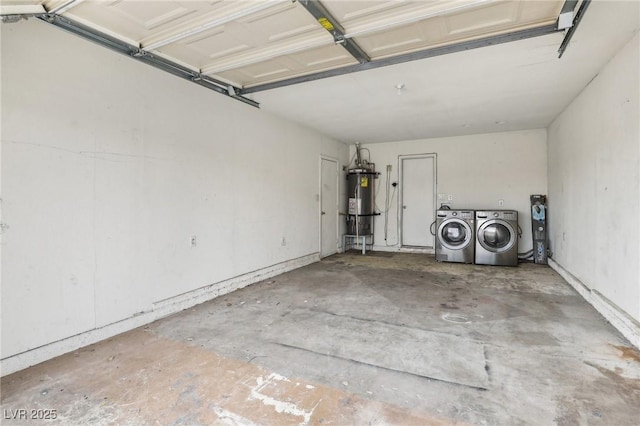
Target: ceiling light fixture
399,88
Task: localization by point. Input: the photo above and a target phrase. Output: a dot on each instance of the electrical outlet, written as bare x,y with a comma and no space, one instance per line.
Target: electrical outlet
193,241
500,203
450,197
283,242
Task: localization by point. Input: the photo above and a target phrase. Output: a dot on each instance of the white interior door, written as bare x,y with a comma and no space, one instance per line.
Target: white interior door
417,199
328,207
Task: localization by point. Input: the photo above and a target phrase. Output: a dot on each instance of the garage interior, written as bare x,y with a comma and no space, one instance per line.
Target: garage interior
174,202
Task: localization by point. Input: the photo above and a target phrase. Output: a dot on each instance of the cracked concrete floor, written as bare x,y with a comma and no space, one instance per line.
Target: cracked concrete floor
376,339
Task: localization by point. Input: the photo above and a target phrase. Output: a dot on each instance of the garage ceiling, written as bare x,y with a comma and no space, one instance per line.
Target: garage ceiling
514,86
248,43
253,46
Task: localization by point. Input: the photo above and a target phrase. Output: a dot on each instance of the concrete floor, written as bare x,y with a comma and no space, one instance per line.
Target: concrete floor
376,339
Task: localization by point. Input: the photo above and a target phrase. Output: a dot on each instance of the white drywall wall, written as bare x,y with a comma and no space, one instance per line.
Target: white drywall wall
109,166
476,170
594,183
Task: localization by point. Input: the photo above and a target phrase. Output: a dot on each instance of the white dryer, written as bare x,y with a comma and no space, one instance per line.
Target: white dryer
455,240
497,237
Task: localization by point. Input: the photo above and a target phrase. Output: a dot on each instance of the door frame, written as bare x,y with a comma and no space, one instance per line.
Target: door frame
335,160
401,158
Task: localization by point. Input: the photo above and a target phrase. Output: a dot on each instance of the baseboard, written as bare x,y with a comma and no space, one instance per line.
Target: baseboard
159,310
625,324
396,249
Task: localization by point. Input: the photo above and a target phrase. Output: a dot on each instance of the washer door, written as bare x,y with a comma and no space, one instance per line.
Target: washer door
496,235
454,234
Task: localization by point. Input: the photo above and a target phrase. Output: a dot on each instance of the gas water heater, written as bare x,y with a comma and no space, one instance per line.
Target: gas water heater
360,193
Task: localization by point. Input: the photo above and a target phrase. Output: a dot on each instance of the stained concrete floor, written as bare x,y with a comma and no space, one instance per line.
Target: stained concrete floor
376,339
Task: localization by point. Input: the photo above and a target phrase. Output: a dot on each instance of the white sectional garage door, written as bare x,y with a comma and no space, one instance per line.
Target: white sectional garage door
249,43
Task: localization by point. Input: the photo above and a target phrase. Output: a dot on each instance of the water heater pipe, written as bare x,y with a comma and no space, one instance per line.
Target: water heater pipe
358,159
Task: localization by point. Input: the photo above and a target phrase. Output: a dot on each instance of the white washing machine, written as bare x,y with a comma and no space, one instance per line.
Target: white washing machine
455,240
497,237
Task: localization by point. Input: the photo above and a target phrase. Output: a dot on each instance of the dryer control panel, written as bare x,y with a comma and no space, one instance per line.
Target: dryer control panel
467,215
498,214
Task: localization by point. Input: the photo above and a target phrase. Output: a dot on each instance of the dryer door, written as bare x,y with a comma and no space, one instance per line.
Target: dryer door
496,236
454,234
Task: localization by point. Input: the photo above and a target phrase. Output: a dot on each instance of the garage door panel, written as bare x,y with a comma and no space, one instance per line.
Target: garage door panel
259,41
470,23
483,18
201,49
281,22
382,16
329,56
138,20
277,50
262,71
215,44
277,31
316,60
403,39
150,14
348,12
539,11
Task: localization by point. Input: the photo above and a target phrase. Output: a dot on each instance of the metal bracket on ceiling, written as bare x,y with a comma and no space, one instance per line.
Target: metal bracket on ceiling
145,56
334,28
138,53
567,38
14,13
565,18
12,19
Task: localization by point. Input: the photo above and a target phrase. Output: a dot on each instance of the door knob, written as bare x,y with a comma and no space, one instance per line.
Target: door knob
322,213
404,207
